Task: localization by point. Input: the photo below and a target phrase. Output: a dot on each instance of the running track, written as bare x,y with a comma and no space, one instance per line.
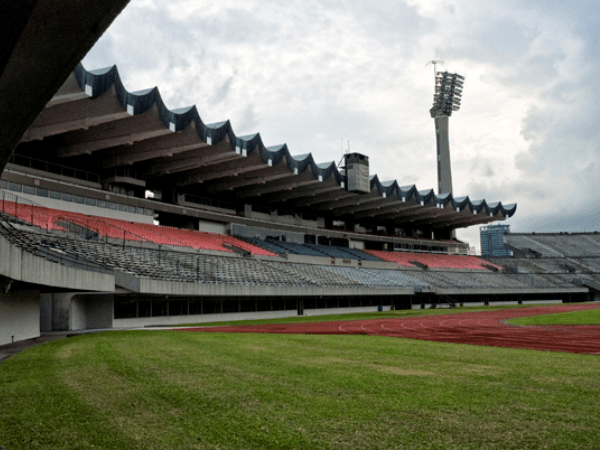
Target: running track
476,328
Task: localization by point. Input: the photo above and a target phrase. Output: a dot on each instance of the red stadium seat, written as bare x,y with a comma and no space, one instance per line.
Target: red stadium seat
54,219
434,260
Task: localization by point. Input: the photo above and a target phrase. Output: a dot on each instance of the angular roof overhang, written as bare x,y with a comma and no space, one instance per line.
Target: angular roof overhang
94,116
41,42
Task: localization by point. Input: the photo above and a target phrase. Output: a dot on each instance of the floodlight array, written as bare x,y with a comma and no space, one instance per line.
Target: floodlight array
448,91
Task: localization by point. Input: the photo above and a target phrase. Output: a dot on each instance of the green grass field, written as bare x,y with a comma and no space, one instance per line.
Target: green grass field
587,317
185,390
360,316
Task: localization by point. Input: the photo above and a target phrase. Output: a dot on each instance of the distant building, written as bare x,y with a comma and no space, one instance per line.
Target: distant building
491,240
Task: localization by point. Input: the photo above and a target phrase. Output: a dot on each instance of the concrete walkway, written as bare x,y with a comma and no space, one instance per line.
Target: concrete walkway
6,351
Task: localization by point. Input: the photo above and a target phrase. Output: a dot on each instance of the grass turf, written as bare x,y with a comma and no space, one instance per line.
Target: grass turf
176,390
359,316
586,317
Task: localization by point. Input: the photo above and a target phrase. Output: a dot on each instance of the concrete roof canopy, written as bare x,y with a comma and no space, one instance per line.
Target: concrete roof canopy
94,116
40,45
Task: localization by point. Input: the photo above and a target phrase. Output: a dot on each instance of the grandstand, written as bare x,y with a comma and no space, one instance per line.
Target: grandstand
565,258
117,212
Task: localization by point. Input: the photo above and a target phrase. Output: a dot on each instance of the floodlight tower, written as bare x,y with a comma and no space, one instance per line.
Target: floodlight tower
448,90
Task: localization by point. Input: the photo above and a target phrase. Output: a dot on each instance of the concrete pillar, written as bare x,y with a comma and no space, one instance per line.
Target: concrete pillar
61,311
443,155
19,316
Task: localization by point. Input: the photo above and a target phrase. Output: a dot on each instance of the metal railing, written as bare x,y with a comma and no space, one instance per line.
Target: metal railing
57,169
206,201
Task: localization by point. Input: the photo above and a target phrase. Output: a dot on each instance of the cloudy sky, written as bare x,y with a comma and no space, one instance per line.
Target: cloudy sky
322,75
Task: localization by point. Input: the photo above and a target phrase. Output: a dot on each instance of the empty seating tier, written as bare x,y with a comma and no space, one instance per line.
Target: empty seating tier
406,259
54,219
313,249
193,267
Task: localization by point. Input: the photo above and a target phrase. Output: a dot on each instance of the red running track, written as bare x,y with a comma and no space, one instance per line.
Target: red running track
476,328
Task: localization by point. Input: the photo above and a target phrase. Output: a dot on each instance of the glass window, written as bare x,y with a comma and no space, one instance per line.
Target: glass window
42,192
67,197
265,305
17,187
148,212
247,305
160,308
231,305
195,306
101,204
78,199
211,306
122,207
112,205
280,304
55,194
131,209
125,308
90,201
144,308
3,184
178,307
28,189
139,210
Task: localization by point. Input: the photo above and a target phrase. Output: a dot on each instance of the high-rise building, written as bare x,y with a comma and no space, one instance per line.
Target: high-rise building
491,240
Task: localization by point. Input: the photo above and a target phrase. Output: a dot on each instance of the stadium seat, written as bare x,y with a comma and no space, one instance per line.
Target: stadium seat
54,219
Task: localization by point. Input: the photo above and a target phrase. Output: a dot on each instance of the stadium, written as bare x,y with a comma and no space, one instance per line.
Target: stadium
127,214
117,212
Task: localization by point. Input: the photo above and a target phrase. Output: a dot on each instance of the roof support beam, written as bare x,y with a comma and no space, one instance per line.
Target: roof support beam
41,42
355,200
166,146
72,110
321,196
306,193
437,216
128,157
43,131
208,174
367,204
416,211
466,220
189,161
249,180
86,148
112,134
276,186
420,218
381,212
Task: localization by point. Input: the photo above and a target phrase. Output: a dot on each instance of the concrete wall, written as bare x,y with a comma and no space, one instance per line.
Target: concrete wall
61,311
81,311
360,245
86,209
99,310
20,265
361,309
207,318
212,227
77,313
19,316
201,318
